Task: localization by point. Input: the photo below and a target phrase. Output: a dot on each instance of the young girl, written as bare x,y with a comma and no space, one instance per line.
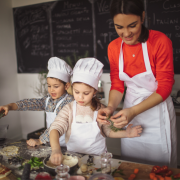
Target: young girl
78,118
58,81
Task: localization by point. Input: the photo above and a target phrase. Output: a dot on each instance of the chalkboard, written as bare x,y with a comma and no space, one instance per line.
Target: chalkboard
164,16
68,29
32,33
60,28
105,31
72,30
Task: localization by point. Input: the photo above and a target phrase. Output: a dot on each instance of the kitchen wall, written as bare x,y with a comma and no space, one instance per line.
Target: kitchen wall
8,74
15,86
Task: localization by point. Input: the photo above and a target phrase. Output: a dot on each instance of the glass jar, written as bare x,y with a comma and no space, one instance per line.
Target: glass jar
100,176
106,162
62,172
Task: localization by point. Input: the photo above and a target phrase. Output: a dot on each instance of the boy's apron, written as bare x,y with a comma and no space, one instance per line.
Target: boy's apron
157,143
86,138
50,117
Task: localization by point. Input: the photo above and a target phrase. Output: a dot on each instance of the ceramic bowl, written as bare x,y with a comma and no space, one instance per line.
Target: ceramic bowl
52,171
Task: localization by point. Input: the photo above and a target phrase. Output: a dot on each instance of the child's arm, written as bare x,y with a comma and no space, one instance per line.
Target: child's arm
34,142
130,132
56,155
43,139
8,107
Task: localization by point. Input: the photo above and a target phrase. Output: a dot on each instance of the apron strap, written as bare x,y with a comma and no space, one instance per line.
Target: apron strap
121,62
95,116
146,58
74,111
60,102
47,99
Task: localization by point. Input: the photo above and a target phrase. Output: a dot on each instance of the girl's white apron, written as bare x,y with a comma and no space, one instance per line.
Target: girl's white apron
50,117
157,144
86,137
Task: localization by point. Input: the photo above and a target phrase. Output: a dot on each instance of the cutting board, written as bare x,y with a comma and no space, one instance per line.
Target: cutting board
10,177
144,170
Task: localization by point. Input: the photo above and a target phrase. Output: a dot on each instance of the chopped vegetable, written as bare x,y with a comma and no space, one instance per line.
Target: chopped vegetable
156,169
136,171
118,178
163,171
167,178
152,175
155,178
168,173
99,169
160,177
119,171
131,177
176,176
35,163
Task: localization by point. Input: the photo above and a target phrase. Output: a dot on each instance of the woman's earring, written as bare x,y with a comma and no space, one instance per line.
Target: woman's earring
94,95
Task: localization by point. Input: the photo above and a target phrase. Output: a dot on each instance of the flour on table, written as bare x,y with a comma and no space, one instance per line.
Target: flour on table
9,151
43,152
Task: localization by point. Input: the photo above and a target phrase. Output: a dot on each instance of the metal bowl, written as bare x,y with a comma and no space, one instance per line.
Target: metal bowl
52,171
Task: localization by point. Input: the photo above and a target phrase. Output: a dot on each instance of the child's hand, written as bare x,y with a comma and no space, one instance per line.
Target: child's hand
56,157
133,131
4,109
34,142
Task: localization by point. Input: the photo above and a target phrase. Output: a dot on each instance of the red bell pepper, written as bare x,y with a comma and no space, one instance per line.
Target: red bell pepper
156,169
176,176
168,173
164,168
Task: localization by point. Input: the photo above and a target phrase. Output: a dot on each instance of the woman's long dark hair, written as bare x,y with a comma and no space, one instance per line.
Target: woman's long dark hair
135,7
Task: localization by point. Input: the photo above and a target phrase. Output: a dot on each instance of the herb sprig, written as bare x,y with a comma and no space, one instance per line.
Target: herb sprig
112,127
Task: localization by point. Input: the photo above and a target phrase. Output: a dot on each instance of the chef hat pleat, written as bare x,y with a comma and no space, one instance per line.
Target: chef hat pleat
88,71
59,69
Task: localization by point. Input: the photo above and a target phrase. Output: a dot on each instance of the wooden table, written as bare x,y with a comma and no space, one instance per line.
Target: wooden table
127,168
144,170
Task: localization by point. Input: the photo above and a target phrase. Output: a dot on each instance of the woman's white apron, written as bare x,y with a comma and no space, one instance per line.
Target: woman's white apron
50,117
86,137
157,144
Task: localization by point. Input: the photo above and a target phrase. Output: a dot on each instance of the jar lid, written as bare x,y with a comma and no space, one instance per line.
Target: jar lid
62,170
106,155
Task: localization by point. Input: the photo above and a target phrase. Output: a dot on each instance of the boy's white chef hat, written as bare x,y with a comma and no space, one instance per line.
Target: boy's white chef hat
59,69
88,71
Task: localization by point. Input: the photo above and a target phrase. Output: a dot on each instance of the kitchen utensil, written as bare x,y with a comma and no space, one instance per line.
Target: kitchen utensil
90,160
106,162
62,172
26,172
3,133
52,171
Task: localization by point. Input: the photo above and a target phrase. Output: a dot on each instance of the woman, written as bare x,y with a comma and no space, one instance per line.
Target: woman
143,59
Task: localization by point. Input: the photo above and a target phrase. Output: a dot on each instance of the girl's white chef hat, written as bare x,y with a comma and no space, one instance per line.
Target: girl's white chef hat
59,69
88,71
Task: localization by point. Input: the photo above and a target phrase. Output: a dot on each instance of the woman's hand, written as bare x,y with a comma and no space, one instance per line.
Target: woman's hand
34,142
133,131
123,117
103,114
56,157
